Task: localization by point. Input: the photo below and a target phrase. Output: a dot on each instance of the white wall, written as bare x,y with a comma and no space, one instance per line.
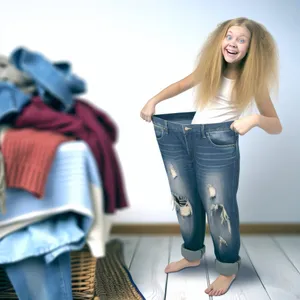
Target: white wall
128,50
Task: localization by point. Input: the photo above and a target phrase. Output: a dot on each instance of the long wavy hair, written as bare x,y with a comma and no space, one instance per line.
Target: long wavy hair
258,70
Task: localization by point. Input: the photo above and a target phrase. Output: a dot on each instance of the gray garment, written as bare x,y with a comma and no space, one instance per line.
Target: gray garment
9,73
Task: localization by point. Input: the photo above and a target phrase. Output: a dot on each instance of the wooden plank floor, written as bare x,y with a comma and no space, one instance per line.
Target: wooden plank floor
270,269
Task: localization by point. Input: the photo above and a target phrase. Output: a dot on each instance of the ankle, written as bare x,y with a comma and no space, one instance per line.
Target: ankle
227,276
192,260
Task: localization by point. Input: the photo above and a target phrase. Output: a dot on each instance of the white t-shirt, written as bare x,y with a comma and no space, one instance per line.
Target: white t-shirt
221,108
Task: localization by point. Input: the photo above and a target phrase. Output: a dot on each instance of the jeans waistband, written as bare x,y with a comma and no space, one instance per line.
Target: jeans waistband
179,121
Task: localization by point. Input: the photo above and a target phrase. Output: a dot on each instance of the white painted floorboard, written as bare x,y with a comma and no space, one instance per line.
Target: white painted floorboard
147,267
247,285
189,283
270,268
130,246
290,245
279,276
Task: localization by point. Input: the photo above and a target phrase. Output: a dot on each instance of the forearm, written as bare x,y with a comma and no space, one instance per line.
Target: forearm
271,125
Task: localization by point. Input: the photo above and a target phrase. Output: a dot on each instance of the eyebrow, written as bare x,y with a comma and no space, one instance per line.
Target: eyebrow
240,35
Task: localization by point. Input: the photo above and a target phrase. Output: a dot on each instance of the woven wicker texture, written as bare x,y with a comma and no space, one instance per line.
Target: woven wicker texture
6,290
108,277
83,278
83,275
113,280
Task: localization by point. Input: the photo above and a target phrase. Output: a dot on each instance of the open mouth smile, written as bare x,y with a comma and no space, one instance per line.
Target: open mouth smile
231,52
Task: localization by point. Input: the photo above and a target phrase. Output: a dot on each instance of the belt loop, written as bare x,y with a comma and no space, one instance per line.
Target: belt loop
203,131
166,126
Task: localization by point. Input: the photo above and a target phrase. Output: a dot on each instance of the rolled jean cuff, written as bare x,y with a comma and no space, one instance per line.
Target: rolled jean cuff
191,255
228,269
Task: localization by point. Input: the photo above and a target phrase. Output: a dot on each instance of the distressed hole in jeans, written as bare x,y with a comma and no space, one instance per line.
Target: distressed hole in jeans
212,191
219,208
173,171
183,205
222,242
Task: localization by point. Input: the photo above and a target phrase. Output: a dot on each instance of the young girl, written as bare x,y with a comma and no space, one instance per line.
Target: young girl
200,150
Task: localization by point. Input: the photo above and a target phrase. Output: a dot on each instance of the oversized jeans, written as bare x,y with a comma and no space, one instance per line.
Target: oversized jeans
202,165
34,279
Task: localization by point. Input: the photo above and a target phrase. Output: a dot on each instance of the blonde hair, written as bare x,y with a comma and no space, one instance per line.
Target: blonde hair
258,69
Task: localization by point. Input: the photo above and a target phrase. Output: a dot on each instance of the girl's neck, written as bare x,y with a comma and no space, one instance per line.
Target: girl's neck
231,71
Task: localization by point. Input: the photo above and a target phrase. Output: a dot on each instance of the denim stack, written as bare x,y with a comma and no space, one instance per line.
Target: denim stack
37,235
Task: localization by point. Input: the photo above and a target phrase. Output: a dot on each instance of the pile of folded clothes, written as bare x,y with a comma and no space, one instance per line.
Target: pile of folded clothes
60,178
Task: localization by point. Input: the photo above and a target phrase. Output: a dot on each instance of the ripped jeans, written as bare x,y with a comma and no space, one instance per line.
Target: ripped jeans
202,165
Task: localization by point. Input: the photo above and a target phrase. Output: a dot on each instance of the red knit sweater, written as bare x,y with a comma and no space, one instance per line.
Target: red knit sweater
91,125
28,156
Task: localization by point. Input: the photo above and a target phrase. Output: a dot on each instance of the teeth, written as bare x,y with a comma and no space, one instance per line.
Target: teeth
231,52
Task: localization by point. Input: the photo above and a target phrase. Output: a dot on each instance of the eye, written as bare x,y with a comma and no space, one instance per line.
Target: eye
228,37
242,41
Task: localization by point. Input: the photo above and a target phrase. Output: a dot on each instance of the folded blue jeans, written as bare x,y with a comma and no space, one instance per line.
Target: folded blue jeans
202,164
34,279
55,79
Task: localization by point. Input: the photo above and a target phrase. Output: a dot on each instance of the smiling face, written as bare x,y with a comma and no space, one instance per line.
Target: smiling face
236,44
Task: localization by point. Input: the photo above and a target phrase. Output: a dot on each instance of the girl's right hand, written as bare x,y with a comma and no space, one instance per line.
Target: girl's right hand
147,111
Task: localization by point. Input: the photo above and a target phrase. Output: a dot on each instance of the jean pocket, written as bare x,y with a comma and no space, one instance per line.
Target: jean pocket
159,131
222,139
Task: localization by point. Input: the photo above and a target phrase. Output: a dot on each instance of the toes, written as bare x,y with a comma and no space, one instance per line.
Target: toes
170,268
209,289
167,269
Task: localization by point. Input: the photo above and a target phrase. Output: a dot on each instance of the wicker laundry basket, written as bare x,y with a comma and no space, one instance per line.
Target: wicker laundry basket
83,278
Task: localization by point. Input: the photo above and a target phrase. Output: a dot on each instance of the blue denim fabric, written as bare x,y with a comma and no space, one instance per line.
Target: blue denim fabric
54,80
202,165
62,220
48,238
33,279
12,100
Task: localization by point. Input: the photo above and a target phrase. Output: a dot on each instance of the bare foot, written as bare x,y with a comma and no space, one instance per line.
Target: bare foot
181,264
220,286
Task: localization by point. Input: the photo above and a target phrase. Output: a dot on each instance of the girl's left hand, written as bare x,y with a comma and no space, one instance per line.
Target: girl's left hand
242,126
